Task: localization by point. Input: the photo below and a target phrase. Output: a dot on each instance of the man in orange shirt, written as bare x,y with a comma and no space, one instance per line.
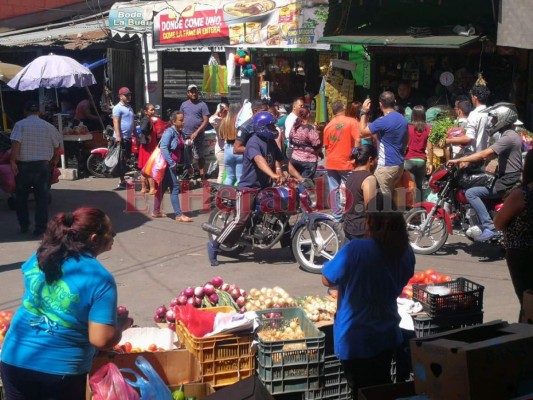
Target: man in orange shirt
341,135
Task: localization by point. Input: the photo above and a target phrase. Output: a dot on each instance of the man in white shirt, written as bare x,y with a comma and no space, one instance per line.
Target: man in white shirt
476,126
291,118
458,143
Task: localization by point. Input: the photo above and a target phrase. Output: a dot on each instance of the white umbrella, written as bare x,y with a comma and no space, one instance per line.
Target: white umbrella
7,72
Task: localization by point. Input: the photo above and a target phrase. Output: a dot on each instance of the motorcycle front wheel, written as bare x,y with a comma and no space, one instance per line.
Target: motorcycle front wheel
327,243
428,241
96,166
220,219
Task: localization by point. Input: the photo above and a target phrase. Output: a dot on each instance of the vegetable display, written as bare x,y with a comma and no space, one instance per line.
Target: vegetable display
318,308
265,298
428,276
439,131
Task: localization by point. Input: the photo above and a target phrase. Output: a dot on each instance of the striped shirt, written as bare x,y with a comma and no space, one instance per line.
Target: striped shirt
37,139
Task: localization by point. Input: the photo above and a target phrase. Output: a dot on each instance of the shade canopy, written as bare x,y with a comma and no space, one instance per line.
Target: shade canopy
443,42
8,71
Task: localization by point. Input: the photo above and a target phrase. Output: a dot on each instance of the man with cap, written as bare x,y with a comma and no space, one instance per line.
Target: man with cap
124,126
35,147
196,118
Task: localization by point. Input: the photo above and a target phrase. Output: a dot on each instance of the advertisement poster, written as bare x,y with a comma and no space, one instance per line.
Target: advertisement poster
253,23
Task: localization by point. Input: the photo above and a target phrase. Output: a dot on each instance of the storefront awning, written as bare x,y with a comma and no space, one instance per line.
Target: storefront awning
440,42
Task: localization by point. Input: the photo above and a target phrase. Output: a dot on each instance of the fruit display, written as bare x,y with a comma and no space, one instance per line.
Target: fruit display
427,277
266,298
128,348
318,308
5,322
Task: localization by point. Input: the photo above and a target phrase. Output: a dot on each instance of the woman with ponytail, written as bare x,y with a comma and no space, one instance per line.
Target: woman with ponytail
305,144
68,311
361,186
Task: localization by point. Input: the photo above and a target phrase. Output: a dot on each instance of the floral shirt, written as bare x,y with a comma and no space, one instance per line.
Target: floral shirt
519,232
305,143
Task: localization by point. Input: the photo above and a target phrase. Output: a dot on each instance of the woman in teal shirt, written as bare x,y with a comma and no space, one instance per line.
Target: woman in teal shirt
68,311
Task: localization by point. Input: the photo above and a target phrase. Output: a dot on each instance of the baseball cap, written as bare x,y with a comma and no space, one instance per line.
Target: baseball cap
31,106
282,110
124,90
191,87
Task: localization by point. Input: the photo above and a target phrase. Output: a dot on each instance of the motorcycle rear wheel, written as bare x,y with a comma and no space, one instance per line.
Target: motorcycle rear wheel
220,219
312,258
96,166
432,239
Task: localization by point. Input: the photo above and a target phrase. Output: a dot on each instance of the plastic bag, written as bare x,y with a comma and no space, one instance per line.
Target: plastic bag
470,179
153,387
113,160
199,323
108,384
155,166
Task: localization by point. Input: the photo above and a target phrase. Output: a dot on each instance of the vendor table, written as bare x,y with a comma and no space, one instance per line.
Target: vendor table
74,148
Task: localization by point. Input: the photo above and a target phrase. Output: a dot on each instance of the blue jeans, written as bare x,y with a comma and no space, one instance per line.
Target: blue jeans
306,169
334,180
170,180
233,163
474,196
36,175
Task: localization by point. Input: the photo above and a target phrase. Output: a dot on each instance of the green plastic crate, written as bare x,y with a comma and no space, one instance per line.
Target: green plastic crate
290,365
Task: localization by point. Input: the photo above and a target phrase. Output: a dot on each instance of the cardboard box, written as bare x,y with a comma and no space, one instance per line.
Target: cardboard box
489,361
391,391
144,337
248,389
527,306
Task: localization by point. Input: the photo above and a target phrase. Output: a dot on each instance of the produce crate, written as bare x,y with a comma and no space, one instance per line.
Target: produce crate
334,383
225,358
288,366
426,325
465,297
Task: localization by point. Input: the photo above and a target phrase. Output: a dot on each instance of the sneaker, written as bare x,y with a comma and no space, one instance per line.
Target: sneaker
212,251
121,186
486,235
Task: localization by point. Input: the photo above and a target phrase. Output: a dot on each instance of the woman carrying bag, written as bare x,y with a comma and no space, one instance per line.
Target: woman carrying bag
148,142
172,148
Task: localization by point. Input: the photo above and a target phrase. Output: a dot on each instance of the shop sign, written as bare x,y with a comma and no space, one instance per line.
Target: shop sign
253,23
129,19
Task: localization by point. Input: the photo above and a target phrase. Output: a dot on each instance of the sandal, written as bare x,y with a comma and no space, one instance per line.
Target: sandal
183,218
157,215
152,192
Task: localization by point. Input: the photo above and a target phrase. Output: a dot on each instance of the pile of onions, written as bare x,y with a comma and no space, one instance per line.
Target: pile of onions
266,298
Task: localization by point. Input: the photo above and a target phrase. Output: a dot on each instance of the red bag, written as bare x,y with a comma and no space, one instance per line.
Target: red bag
108,384
155,166
197,322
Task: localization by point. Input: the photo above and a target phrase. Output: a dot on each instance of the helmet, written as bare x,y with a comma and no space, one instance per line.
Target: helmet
265,125
501,115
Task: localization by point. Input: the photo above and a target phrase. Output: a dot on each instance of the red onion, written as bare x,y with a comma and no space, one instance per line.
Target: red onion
209,289
122,310
242,310
170,316
174,302
217,281
197,302
172,327
225,287
235,293
241,301
198,291
189,292
190,300
182,300
232,287
161,311
213,298
159,319
243,292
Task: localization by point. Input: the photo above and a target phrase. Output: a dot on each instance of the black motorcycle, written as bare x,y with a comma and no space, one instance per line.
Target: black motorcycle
283,214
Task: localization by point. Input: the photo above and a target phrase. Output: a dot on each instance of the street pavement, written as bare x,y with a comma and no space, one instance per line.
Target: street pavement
154,259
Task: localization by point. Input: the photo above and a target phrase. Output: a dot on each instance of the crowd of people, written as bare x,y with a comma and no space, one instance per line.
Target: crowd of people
366,155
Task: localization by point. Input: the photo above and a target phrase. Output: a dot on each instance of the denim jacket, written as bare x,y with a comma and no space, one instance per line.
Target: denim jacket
170,141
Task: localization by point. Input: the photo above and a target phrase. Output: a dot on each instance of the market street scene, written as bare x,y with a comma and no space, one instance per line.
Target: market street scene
266,199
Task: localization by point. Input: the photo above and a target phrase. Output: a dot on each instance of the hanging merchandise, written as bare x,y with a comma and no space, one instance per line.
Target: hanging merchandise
242,58
215,78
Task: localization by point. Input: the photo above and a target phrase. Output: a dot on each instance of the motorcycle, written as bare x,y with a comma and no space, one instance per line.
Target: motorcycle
429,224
282,214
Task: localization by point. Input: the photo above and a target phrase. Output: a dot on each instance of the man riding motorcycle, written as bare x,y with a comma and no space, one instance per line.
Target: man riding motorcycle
508,149
261,158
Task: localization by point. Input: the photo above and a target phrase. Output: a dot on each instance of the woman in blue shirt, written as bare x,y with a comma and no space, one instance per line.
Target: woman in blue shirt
68,311
370,275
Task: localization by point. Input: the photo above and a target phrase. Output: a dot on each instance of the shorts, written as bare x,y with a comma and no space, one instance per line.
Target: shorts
196,151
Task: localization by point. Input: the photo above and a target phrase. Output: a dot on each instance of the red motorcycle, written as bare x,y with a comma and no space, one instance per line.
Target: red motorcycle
429,224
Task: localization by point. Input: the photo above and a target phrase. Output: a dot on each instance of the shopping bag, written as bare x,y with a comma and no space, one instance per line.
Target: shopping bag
155,166
151,388
215,79
108,384
113,160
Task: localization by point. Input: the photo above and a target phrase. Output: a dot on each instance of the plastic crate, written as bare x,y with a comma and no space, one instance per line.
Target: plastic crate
465,297
225,358
290,365
334,383
426,325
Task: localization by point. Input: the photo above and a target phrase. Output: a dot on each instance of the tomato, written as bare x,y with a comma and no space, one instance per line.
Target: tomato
447,278
428,272
408,293
136,350
434,277
127,347
419,277
152,347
